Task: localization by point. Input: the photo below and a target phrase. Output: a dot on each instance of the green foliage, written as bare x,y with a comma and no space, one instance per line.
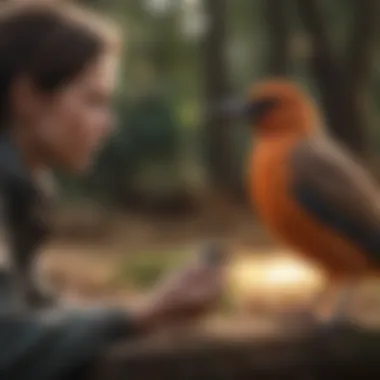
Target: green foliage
144,269
144,155
152,130
227,303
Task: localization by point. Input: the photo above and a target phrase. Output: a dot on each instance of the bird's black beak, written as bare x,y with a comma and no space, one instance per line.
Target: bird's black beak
251,112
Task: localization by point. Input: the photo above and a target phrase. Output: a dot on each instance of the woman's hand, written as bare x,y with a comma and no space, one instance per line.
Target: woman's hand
186,294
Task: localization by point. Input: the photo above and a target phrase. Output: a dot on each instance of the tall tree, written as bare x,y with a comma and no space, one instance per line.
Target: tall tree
275,12
342,79
217,142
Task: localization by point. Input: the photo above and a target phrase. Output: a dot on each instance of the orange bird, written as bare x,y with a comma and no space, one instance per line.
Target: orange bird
309,191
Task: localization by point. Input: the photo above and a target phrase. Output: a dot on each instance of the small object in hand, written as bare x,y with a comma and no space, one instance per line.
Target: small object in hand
213,254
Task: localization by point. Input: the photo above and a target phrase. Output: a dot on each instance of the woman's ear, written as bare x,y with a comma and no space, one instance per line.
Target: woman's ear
26,101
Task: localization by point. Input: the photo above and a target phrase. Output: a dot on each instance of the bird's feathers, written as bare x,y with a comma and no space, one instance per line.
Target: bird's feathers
334,189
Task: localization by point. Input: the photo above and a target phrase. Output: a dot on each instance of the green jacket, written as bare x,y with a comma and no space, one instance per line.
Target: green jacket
35,343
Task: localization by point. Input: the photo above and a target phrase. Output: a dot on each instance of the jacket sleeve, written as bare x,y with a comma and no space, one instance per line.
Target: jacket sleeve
36,347
41,345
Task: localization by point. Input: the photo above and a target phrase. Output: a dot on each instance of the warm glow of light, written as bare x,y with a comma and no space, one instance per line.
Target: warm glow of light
286,273
273,278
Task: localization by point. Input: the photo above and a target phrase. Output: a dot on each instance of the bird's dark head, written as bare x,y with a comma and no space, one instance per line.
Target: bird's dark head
275,107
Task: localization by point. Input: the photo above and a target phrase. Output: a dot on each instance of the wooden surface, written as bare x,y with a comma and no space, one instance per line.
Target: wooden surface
255,350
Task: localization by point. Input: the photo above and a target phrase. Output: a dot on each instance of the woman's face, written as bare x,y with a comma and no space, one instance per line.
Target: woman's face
70,125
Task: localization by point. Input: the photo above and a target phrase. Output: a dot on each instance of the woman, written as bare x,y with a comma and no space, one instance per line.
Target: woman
58,69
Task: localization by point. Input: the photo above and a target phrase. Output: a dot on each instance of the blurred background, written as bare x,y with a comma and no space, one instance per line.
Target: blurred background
173,177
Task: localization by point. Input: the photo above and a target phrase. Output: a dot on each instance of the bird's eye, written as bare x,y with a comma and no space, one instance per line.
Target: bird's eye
261,107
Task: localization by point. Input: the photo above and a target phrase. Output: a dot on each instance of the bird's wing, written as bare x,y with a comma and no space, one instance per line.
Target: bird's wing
332,187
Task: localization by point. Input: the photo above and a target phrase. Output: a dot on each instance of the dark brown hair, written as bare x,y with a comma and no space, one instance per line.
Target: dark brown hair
50,42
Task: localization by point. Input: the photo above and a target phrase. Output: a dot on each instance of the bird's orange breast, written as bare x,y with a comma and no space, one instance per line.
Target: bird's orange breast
271,191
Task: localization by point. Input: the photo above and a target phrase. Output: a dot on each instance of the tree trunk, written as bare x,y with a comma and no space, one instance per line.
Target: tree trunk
359,56
216,137
361,44
344,117
275,12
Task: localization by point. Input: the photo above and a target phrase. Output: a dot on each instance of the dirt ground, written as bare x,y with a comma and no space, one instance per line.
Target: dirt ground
82,266
88,248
